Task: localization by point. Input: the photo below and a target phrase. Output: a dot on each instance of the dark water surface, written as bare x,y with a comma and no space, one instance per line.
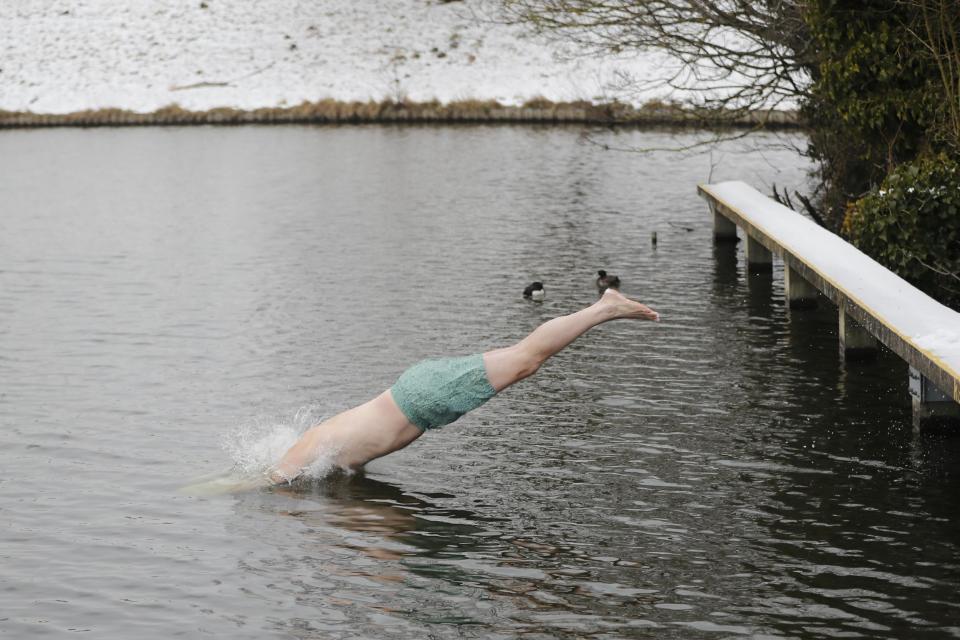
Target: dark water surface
163,291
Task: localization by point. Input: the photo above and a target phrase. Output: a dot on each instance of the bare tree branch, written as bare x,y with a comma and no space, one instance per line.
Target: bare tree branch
742,55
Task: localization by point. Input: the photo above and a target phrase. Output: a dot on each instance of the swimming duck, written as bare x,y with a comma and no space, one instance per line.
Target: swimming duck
605,281
535,291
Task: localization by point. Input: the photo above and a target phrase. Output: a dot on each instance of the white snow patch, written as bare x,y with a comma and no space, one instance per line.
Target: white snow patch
60,56
942,341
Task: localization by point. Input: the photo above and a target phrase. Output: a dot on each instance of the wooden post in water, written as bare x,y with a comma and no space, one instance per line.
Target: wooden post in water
759,258
800,293
932,408
856,343
724,229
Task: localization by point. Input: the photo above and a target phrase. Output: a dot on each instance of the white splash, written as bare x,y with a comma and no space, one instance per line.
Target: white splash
257,446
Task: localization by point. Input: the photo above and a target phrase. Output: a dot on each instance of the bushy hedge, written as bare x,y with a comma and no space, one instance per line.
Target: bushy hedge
911,225
873,97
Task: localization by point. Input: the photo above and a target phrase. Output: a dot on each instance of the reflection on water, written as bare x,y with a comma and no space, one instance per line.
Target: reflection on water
719,474
453,550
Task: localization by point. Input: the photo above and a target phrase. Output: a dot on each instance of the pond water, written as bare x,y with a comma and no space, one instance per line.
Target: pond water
174,301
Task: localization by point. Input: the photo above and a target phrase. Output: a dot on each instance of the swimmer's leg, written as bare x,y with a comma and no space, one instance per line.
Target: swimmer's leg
511,364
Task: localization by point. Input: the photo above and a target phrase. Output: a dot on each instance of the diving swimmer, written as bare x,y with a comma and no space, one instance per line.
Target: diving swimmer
433,393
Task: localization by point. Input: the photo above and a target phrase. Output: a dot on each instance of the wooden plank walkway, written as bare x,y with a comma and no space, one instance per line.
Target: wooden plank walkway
925,333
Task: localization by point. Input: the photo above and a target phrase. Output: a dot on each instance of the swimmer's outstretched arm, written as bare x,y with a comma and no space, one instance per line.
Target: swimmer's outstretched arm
379,427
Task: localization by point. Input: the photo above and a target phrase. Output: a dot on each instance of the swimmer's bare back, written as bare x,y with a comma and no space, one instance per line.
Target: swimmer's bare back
378,427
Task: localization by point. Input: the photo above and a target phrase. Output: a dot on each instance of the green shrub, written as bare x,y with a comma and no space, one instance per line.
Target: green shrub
911,225
873,96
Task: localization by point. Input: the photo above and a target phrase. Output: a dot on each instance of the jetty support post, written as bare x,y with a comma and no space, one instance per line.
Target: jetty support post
800,293
856,343
724,229
932,408
759,258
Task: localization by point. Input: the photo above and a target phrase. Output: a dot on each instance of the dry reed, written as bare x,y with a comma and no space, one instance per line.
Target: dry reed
405,111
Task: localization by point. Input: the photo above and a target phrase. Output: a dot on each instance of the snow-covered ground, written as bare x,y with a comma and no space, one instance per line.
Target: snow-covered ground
60,56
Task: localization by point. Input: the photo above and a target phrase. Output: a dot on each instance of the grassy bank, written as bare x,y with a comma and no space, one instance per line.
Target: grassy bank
477,111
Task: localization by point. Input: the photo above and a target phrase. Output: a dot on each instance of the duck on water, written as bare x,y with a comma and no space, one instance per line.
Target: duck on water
535,291
606,281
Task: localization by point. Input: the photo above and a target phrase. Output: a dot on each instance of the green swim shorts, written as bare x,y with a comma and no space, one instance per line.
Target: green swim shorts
433,393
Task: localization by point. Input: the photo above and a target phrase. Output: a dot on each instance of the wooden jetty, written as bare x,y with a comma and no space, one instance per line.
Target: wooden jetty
874,303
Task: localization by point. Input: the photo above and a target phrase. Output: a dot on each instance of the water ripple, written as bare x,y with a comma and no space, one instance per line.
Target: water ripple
719,474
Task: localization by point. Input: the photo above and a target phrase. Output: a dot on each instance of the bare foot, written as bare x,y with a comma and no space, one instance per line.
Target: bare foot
624,307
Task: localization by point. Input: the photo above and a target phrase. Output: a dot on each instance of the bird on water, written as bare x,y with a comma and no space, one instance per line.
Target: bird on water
606,281
535,291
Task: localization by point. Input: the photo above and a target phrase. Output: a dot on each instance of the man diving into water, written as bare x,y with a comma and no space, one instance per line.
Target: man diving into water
433,393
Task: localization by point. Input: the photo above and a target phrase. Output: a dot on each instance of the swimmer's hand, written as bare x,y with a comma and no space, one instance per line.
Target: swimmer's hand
275,477
283,473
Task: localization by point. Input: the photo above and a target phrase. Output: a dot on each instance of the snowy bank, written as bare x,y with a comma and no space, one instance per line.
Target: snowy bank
67,56
210,61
